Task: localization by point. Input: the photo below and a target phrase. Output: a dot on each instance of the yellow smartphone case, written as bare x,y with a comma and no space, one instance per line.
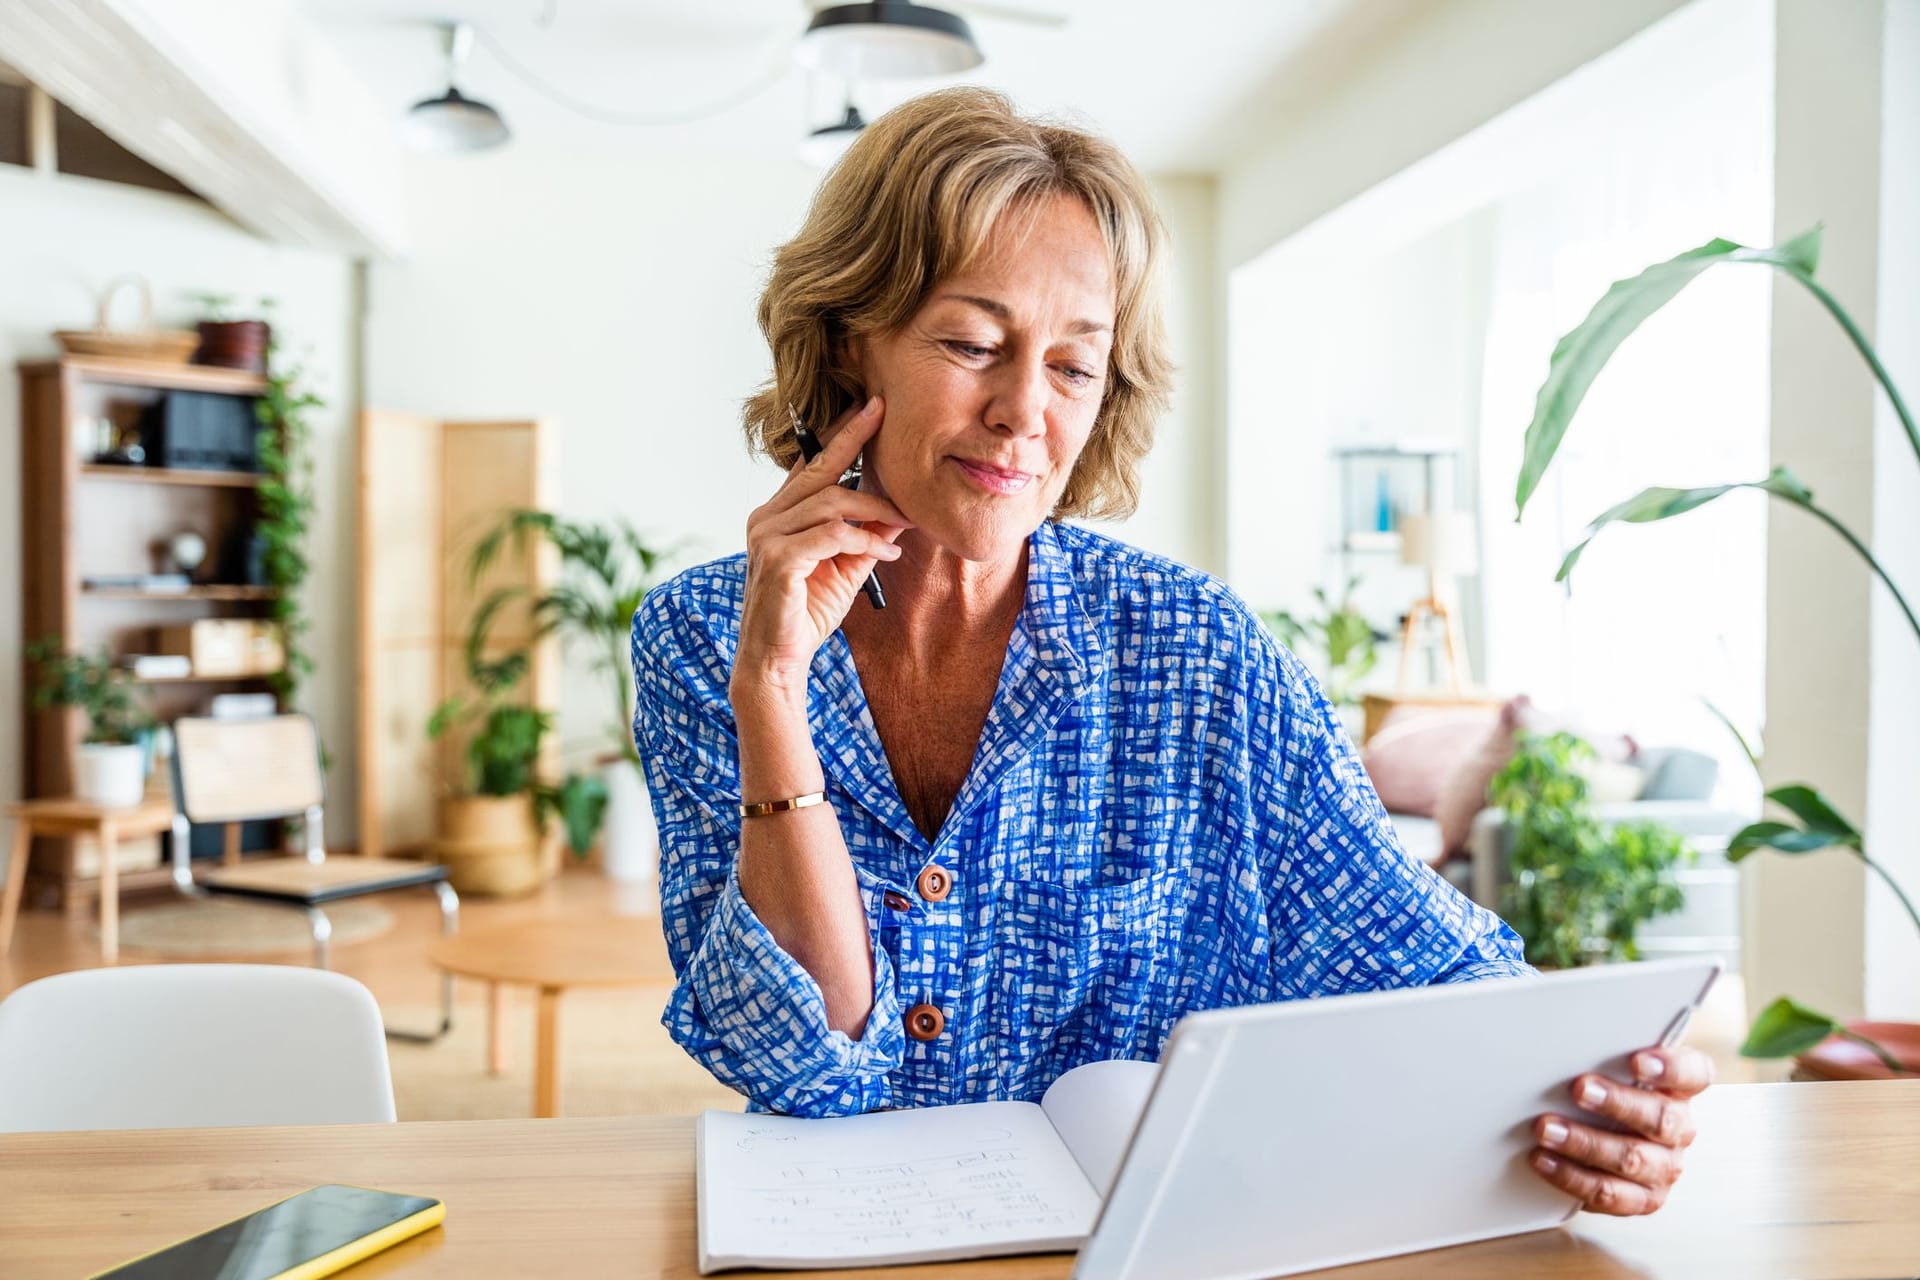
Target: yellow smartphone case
327,1263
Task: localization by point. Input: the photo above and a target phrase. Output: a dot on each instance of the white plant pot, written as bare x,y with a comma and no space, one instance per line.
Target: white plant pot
112,775
629,840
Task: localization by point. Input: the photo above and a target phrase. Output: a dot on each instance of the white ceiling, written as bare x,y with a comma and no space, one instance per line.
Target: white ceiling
1182,85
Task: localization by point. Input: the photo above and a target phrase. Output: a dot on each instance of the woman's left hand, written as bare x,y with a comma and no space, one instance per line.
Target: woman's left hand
1625,1173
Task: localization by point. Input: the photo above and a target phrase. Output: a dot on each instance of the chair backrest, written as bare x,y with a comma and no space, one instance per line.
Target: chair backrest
230,770
192,1046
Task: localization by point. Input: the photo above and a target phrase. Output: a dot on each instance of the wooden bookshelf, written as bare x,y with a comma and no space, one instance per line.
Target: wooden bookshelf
81,519
172,475
215,591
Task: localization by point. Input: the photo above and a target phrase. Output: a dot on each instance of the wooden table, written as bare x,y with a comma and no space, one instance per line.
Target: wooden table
68,817
552,955
1818,1181
1378,706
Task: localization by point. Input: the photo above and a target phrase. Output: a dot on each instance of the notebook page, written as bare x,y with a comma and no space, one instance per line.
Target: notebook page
891,1186
1094,1108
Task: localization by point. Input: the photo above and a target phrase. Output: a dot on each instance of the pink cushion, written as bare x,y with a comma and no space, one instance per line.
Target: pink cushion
1464,793
1412,756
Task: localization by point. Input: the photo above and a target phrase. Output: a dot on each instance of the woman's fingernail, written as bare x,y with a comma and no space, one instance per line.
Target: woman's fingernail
1545,1163
1649,1067
873,402
1592,1094
1553,1133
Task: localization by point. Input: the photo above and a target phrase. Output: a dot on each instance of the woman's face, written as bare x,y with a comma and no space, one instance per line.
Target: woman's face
992,387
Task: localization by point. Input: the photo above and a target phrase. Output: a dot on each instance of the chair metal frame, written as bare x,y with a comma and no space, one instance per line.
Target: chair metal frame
319,925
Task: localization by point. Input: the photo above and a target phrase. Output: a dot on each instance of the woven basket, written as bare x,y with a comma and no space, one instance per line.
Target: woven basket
164,346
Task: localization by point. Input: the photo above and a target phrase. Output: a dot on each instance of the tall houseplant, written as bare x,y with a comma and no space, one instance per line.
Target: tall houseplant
492,828
1809,822
605,571
285,510
112,764
1580,890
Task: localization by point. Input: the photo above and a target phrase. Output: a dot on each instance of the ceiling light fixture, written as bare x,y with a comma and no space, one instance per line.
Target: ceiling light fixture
453,122
888,40
824,146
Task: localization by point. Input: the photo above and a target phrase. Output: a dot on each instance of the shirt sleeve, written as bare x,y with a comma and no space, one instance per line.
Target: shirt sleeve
743,1007
1349,909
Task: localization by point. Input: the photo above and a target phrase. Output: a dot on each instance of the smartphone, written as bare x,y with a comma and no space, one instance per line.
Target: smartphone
316,1233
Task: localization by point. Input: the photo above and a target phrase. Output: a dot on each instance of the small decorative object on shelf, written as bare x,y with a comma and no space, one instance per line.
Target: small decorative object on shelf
165,346
188,551
233,342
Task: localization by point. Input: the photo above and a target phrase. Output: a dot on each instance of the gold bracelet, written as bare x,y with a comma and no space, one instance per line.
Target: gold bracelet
766,807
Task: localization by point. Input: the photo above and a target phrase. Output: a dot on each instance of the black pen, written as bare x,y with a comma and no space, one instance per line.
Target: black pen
810,449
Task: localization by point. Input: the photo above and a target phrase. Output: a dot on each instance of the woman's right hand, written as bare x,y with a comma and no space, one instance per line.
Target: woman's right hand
805,563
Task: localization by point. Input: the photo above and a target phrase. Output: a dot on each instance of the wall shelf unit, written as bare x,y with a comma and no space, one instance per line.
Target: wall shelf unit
81,519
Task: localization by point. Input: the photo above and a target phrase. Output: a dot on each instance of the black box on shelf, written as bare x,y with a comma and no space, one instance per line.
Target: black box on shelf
201,430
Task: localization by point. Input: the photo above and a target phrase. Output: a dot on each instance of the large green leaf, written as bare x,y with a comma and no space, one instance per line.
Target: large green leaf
1661,503
1815,813
1785,1028
1780,838
1584,351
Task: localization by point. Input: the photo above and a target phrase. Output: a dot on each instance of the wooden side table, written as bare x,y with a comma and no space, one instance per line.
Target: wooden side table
69,817
552,955
1380,705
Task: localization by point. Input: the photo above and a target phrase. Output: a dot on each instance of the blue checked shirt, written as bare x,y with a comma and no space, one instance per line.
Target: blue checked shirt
1163,815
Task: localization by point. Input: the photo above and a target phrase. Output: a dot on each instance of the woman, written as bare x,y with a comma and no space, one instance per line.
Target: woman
1059,791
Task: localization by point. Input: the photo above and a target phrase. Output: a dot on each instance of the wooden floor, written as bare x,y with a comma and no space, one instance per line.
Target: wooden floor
618,1061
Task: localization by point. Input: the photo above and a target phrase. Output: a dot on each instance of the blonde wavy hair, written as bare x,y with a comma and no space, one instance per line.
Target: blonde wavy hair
913,202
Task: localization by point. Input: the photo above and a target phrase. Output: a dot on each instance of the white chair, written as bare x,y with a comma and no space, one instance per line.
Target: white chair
191,1046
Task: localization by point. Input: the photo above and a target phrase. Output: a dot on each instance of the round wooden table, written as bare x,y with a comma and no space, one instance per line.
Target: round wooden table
550,956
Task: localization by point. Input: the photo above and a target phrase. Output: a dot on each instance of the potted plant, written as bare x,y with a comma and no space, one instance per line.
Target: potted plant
605,570
229,341
1340,636
112,766
1580,890
1810,822
493,831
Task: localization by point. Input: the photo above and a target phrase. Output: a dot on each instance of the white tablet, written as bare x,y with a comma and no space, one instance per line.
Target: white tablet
1287,1137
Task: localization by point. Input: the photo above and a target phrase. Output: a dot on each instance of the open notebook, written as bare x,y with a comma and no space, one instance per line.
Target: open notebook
965,1181
1407,1126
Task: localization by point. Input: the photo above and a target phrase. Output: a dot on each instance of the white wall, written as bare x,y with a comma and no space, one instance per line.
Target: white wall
1843,681
613,289
1893,806
62,240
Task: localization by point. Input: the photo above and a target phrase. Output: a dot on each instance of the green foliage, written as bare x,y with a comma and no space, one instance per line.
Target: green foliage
605,571
91,682
507,747
1584,352
1577,361
1786,1027
1580,890
286,508
1339,636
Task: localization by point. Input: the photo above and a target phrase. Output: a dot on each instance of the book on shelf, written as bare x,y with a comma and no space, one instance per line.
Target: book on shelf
155,582
974,1180
158,666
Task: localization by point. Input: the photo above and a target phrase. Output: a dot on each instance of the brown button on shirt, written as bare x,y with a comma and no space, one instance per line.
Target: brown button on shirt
934,884
924,1022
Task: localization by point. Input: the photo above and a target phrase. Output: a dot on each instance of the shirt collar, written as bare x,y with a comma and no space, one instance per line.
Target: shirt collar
1055,655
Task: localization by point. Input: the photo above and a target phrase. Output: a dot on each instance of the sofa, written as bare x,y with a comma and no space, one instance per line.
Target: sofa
1433,774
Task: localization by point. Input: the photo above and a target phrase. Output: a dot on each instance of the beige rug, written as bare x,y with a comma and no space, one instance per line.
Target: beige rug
615,1060
224,926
